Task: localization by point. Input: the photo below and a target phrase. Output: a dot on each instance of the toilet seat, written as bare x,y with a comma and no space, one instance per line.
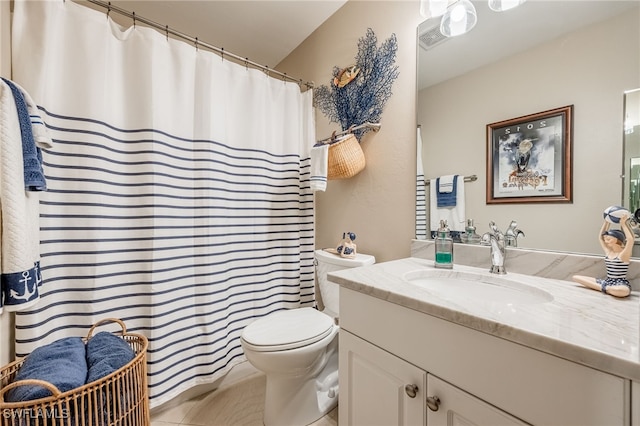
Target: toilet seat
288,329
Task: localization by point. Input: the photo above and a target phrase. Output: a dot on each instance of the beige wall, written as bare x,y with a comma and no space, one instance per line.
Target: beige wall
6,319
377,204
589,69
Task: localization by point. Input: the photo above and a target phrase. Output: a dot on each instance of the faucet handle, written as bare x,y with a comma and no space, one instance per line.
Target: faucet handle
493,227
512,234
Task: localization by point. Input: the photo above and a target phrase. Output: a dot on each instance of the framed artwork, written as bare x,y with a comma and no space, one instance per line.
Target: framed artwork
529,158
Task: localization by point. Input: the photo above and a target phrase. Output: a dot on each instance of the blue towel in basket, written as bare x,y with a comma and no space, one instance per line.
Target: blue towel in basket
106,353
61,363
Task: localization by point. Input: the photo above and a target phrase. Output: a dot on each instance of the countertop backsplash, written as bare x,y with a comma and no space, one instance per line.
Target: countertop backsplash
547,264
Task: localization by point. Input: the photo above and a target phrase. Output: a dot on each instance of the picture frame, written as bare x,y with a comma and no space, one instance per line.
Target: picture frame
529,158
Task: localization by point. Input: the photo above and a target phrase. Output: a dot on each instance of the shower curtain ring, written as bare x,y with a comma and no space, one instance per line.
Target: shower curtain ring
166,29
108,9
246,63
134,19
222,54
196,43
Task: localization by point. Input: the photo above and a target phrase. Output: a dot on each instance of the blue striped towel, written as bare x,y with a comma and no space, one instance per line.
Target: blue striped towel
447,190
31,156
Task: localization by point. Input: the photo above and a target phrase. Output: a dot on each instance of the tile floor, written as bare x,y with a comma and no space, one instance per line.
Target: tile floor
237,403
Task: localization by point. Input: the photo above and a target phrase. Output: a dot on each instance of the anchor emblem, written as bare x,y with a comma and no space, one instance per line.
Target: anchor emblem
27,294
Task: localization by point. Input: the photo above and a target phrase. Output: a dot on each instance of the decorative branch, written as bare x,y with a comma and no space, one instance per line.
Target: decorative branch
361,99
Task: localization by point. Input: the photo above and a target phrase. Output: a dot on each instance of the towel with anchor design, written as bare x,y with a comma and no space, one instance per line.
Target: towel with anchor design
19,207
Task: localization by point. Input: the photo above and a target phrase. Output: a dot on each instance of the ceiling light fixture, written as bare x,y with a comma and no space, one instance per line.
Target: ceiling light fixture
459,16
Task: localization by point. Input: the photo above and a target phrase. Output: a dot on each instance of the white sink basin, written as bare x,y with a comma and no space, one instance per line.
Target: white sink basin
460,286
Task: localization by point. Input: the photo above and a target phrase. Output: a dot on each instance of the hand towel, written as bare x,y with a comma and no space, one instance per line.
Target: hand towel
319,165
454,215
40,132
31,158
19,212
446,190
446,183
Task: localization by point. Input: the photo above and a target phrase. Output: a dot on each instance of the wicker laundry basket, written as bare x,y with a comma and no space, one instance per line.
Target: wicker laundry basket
345,158
121,398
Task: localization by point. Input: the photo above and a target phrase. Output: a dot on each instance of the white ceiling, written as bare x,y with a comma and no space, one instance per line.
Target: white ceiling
499,35
264,31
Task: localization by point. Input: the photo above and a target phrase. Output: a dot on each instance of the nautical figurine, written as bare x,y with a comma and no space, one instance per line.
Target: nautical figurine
617,245
348,246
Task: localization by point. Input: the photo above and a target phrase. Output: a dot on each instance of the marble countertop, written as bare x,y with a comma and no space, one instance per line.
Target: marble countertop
579,324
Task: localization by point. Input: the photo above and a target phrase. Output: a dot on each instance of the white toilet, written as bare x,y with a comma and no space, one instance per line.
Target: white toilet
297,349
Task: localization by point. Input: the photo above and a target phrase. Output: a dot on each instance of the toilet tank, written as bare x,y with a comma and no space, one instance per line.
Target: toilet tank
328,262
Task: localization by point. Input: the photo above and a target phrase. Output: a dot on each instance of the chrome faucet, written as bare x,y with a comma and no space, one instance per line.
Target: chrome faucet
511,234
496,240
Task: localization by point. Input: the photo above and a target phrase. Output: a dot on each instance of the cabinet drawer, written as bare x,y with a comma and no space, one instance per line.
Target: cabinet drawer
536,387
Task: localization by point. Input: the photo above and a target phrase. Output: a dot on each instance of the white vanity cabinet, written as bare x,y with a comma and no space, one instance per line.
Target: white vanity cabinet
378,388
382,389
635,403
478,378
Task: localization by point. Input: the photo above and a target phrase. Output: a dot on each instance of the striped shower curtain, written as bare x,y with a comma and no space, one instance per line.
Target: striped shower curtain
421,192
178,191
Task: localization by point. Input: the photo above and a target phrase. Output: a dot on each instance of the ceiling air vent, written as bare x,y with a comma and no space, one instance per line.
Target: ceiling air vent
431,37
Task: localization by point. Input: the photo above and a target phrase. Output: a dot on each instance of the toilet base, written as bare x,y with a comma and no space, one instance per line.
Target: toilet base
298,402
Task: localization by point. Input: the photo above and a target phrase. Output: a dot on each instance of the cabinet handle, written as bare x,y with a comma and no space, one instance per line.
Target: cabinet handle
433,402
411,390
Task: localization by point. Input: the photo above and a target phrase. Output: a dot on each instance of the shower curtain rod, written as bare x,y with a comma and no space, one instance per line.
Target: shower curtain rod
197,43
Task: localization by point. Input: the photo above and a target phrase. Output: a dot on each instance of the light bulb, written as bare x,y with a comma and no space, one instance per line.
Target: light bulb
502,5
459,19
458,13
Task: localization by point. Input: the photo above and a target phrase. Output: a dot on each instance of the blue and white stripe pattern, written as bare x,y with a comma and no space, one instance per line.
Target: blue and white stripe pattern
178,191
421,193
185,241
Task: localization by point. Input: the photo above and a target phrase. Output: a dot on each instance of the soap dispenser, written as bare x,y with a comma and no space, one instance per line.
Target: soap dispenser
470,233
444,247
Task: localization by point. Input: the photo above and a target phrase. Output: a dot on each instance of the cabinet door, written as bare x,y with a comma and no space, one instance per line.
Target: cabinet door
377,388
635,403
455,407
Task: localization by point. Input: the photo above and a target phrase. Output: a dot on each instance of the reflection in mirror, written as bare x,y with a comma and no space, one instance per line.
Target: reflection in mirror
537,57
632,149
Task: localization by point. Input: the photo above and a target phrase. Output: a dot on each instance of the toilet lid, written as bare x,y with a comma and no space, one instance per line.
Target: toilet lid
288,329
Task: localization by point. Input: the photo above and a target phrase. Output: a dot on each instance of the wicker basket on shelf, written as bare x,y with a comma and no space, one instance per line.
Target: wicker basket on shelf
345,158
121,398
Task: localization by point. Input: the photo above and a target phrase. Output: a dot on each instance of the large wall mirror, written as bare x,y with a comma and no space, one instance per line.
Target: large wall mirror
538,57
631,189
